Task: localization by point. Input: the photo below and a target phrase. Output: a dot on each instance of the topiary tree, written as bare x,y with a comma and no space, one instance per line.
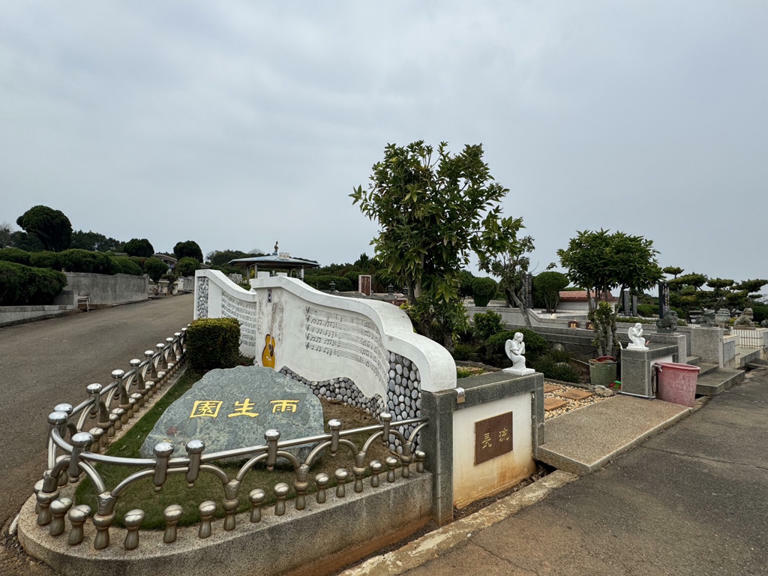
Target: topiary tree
546,289
155,268
51,227
186,266
483,289
139,247
188,249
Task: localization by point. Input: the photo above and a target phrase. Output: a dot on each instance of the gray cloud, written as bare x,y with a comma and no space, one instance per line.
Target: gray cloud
236,124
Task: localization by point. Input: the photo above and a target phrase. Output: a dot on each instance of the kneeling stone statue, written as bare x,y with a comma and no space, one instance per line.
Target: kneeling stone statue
515,350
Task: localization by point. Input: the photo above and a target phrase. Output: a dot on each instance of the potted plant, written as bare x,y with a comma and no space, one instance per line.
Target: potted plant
602,369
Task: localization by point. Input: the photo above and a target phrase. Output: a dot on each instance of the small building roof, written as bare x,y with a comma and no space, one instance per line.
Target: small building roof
276,261
581,296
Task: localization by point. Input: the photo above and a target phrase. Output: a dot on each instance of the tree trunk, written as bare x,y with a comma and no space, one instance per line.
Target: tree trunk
520,304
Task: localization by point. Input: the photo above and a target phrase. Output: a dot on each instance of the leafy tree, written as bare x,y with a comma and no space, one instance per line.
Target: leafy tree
720,287
486,324
190,249
219,260
635,263
506,255
588,261
139,247
465,283
24,241
155,268
95,242
51,227
431,212
601,261
187,266
546,289
5,235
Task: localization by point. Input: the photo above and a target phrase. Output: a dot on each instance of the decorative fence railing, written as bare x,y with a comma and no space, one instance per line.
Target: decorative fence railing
750,337
74,452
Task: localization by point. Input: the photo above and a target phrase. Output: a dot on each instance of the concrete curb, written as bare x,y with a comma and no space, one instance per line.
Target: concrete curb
430,546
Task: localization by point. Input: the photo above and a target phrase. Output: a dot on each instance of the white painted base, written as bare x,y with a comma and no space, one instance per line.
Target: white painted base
519,371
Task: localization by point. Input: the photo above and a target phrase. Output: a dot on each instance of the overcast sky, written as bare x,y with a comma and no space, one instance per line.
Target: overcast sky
236,124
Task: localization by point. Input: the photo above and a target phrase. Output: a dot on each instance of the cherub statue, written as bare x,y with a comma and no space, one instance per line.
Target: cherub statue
637,342
515,349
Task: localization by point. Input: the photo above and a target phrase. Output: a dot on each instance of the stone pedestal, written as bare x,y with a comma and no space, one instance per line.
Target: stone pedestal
637,371
519,371
707,344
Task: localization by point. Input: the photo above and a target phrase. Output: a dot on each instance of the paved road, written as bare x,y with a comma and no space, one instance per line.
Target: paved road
693,500
50,361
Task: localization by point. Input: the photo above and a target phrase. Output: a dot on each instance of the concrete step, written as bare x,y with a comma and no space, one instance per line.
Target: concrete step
716,381
693,360
706,367
584,440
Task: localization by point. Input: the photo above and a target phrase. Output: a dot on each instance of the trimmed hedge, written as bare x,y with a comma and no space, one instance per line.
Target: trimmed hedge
213,343
14,255
74,260
24,285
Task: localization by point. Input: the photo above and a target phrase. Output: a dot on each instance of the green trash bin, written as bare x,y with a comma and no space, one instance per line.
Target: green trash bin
602,371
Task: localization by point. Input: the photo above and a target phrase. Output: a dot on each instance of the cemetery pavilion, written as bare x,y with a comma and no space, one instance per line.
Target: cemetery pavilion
275,263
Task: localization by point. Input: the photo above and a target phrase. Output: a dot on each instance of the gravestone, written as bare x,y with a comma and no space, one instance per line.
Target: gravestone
233,408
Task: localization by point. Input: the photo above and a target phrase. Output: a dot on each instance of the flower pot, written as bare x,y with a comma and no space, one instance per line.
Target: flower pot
602,372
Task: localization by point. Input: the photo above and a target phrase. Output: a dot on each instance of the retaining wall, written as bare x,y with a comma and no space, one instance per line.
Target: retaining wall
106,289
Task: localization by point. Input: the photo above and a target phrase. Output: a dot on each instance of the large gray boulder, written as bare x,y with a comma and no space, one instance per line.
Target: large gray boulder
233,408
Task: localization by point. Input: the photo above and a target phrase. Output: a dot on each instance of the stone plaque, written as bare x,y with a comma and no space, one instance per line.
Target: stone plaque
233,408
493,437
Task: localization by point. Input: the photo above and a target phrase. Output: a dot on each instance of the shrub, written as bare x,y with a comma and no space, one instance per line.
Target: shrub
155,268
554,367
483,289
187,266
468,352
14,255
45,260
139,247
213,343
126,265
495,355
486,324
84,261
647,310
22,285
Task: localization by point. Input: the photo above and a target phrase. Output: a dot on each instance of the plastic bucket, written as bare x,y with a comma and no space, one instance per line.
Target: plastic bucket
677,382
602,373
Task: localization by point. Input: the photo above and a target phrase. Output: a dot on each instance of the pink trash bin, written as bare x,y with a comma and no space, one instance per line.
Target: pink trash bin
677,382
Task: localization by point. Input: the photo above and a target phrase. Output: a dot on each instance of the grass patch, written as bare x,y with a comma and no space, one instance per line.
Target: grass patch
142,494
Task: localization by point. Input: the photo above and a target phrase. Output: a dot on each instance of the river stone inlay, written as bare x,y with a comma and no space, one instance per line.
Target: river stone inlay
233,408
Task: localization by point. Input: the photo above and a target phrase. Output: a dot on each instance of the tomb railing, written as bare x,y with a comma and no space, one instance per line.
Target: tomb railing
76,451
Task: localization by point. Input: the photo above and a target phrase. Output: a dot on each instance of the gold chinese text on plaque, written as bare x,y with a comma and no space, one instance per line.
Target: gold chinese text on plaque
493,437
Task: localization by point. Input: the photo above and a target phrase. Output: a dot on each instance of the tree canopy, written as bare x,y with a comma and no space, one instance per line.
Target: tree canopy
431,208
188,249
546,289
51,227
507,255
600,261
95,242
139,247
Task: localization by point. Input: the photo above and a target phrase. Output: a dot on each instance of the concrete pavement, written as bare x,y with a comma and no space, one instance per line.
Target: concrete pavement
50,361
692,500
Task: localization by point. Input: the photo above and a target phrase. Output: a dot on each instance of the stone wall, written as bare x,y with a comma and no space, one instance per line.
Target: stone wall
106,289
